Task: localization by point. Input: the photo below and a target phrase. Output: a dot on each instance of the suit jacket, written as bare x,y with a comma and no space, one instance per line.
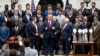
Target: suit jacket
21,15
40,27
87,25
67,32
14,32
96,33
22,29
49,32
4,34
72,19
38,17
31,31
58,30
25,20
95,9
1,20
10,13
83,11
78,26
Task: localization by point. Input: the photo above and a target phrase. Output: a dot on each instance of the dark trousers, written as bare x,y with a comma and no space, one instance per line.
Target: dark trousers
66,46
57,42
1,43
33,43
39,43
49,45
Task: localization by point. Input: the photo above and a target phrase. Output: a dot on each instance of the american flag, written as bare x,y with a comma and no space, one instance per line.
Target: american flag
32,6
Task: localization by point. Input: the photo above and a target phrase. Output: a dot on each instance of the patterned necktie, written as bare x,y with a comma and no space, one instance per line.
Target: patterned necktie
49,24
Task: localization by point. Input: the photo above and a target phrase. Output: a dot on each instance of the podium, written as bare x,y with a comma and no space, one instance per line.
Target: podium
83,43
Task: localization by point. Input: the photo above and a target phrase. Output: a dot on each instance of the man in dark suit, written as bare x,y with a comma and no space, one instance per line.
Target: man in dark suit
22,27
93,5
71,17
41,32
4,34
32,31
21,13
86,25
26,18
16,30
83,9
66,36
49,36
57,35
38,14
11,12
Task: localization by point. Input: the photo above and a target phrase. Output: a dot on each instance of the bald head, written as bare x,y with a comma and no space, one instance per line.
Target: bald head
54,18
65,20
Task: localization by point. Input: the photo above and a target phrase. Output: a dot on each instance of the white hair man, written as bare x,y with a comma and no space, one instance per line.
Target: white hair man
66,36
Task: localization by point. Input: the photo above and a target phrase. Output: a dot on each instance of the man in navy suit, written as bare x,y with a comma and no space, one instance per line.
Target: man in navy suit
26,18
32,31
4,34
83,9
66,36
49,36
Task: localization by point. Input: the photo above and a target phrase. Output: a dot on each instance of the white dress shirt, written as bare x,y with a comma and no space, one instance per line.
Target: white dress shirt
35,27
60,19
65,26
28,17
5,18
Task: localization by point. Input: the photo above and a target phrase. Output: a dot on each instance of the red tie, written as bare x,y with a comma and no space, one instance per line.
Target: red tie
49,25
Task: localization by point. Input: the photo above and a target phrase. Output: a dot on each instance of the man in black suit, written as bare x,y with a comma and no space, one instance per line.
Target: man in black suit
86,25
93,5
26,18
38,14
32,31
11,12
16,31
41,32
57,35
21,13
49,36
83,8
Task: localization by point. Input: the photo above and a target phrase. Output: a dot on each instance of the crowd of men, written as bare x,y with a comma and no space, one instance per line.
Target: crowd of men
47,29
